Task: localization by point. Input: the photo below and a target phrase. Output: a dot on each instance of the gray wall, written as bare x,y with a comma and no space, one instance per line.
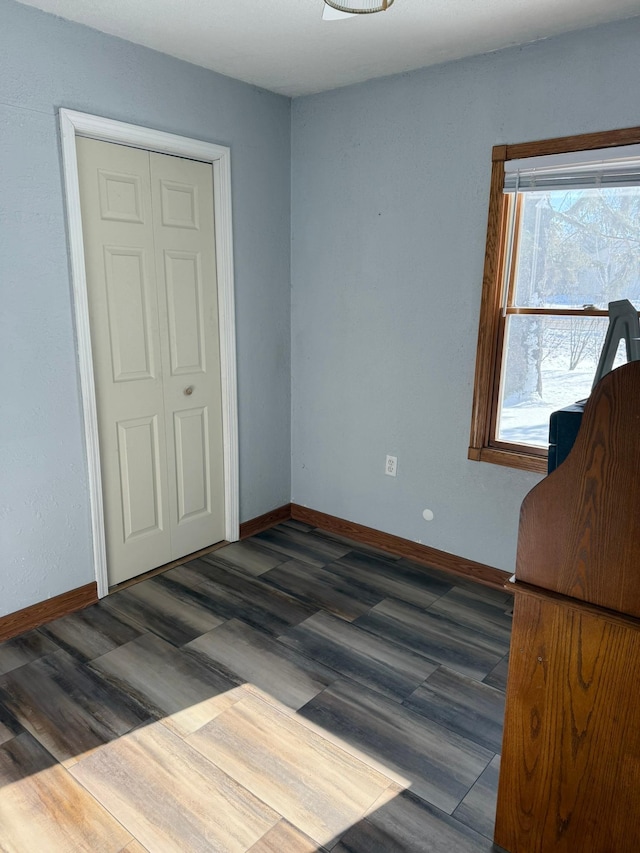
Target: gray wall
389,204
46,63
390,185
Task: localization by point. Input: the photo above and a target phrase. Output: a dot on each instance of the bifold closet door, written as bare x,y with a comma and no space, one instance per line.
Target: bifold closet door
150,262
182,198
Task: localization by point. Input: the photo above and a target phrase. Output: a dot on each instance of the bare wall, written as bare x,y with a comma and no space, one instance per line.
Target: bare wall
46,63
390,183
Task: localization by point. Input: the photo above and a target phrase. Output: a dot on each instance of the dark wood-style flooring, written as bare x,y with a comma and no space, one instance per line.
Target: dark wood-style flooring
290,693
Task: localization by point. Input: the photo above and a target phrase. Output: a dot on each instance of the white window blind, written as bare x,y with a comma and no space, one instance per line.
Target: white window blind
606,167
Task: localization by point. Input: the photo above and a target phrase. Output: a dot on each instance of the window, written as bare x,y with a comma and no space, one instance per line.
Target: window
563,240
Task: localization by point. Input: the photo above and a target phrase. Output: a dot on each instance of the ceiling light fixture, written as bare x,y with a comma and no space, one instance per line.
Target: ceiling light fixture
359,7
331,14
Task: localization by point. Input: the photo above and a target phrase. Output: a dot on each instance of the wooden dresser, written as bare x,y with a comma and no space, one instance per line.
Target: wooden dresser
570,769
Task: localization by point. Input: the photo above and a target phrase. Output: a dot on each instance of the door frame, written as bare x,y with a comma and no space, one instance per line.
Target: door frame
72,125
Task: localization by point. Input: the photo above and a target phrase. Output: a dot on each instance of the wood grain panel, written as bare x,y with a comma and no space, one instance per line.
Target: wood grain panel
390,576
317,551
406,824
170,798
478,809
438,637
570,771
436,763
489,310
169,683
421,554
461,704
46,611
231,595
263,522
589,507
249,557
88,633
510,458
285,838
320,789
23,649
151,606
135,847
583,142
264,662
385,667
42,808
321,590
67,707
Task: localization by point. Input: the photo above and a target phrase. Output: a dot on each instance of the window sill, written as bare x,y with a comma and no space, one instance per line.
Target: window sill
509,458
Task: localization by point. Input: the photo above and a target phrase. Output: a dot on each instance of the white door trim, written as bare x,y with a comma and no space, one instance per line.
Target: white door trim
73,124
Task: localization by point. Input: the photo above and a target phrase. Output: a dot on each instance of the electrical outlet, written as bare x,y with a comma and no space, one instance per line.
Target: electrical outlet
391,466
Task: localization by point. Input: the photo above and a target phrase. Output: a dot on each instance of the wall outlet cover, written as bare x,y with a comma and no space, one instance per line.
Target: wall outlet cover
391,466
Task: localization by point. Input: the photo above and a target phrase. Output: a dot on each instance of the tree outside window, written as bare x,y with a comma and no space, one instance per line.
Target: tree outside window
562,243
575,250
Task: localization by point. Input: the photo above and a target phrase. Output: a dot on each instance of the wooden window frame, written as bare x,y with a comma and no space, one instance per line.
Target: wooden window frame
482,446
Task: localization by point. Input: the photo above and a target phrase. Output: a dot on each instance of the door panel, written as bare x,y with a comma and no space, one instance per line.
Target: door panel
191,432
179,202
120,197
128,300
184,312
182,198
115,198
151,281
140,476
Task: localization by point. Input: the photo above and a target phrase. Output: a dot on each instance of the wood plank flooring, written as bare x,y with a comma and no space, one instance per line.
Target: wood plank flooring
291,693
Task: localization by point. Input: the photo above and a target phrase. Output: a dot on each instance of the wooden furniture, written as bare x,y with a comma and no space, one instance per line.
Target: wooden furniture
570,770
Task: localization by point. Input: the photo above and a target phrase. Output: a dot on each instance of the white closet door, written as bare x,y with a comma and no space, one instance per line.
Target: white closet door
152,306
182,198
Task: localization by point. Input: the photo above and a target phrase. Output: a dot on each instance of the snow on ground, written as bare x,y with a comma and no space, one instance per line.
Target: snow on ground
528,422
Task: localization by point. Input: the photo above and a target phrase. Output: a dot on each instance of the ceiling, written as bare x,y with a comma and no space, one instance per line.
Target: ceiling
285,46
